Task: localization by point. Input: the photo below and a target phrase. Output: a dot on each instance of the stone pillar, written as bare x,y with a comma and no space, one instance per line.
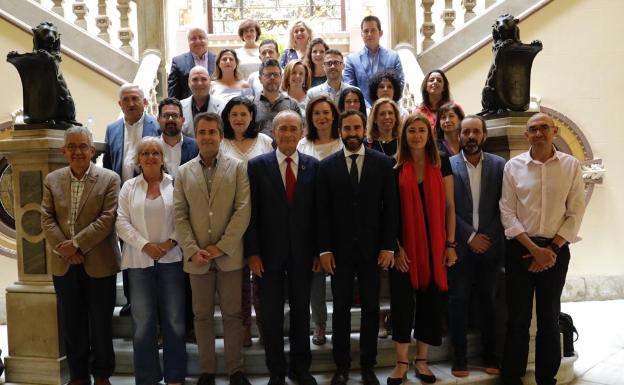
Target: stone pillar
35,353
402,23
506,134
152,30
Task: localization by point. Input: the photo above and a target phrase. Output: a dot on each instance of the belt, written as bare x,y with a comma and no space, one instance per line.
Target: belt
541,241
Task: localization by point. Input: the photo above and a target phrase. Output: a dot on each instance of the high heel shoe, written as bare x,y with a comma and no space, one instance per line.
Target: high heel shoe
426,378
398,380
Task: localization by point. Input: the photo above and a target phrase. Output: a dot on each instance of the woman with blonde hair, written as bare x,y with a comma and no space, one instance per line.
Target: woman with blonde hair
300,35
296,82
418,280
228,81
382,131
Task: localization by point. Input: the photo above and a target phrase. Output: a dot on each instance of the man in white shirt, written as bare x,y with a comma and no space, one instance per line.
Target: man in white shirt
200,99
477,181
333,65
542,205
179,148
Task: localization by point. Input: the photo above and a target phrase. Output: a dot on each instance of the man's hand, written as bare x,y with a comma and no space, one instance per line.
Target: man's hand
328,263
400,261
316,265
154,251
255,265
214,251
166,245
201,258
385,259
75,259
480,243
66,248
544,256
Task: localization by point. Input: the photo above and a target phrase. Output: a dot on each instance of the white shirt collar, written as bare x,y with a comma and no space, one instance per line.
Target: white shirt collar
71,173
281,157
467,161
347,153
138,123
179,144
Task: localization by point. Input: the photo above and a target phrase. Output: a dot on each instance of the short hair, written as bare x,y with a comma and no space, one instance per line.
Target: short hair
446,107
347,113
308,55
446,89
147,141
479,118
369,19
269,63
249,23
228,131
372,130
291,40
343,95
208,117
269,41
431,149
128,87
290,67
333,51
193,29
82,130
312,131
283,113
390,76
167,102
217,71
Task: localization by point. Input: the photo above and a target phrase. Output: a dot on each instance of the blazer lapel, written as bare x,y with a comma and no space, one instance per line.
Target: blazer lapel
275,175
90,181
302,175
364,61
199,176
485,174
222,167
463,175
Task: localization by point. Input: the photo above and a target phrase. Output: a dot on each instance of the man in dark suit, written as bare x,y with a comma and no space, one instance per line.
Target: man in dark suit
357,233
179,148
198,55
478,178
280,246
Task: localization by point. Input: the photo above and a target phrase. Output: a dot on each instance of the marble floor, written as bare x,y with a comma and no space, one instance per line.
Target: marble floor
600,348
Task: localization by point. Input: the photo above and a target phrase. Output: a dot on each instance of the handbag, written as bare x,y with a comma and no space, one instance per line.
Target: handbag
568,330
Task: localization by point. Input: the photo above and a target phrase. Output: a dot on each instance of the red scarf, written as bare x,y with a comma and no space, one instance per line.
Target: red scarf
415,239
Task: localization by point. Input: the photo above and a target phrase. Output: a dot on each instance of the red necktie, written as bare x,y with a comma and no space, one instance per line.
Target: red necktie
290,181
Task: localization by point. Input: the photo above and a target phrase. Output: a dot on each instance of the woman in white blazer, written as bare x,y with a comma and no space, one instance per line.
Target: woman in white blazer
145,223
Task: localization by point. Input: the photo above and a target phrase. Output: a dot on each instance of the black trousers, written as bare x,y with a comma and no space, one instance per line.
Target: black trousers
342,283
547,287
294,279
86,315
480,272
419,310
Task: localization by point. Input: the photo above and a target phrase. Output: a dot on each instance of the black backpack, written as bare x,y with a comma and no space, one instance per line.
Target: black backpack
568,330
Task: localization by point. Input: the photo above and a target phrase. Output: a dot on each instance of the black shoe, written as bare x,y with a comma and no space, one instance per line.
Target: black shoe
398,380
505,380
239,378
277,380
426,378
125,310
460,366
340,377
302,378
369,377
206,379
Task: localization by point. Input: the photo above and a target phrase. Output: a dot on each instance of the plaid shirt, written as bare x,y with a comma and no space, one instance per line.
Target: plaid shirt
77,187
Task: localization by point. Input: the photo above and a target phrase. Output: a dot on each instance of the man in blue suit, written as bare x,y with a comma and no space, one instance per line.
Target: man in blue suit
179,148
181,65
357,234
362,65
121,138
280,246
478,178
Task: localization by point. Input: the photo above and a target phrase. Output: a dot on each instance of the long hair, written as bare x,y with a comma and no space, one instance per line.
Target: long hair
312,131
291,38
308,56
431,149
372,130
217,71
450,106
343,96
446,89
290,67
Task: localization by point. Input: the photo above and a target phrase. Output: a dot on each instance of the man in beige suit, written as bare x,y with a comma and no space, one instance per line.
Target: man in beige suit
211,199
79,207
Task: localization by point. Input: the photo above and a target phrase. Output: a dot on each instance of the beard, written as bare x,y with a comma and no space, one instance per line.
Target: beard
471,147
171,130
352,143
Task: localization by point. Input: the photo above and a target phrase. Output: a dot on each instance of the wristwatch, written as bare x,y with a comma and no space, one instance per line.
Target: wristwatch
553,246
452,244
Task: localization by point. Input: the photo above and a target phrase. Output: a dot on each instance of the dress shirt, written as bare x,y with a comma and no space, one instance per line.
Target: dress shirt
281,161
132,136
474,175
201,60
327,90
77,187
195,110
173,155
543,199
359,162
373,61
209,172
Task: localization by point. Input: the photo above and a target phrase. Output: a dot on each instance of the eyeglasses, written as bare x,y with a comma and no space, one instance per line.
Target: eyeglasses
82,147
332,63
541,128
155,154
271,75
170,116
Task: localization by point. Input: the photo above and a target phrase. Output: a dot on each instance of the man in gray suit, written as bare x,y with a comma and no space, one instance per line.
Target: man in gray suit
212,210
200,99
478,178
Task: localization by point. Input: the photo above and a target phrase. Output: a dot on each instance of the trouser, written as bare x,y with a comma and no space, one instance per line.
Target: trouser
86,314
347,267
228,284
318,302
521,286
476,270
272,286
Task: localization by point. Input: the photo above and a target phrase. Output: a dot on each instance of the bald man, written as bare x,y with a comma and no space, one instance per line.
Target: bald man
181,65
200,99
538,228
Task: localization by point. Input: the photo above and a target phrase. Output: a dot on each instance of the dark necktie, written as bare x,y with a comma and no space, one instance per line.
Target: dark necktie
291,181
353,172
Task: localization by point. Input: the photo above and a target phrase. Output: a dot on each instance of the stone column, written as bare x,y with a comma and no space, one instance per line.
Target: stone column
35,353
402,23
152,29
506,134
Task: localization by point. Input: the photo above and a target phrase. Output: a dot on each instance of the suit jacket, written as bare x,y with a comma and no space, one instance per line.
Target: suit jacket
215,104
356,72
95,223
114,139
181,65
279,232
489,214
219,218
369,217
189,149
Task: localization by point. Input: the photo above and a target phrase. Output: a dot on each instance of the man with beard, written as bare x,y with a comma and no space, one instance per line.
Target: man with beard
477,178
179,149
542,205
200,99
357,234
333,64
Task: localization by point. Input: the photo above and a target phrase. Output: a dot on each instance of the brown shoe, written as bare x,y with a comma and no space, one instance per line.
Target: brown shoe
102,381
318,338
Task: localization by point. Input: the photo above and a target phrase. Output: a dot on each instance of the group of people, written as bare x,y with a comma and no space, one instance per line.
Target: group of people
232,199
